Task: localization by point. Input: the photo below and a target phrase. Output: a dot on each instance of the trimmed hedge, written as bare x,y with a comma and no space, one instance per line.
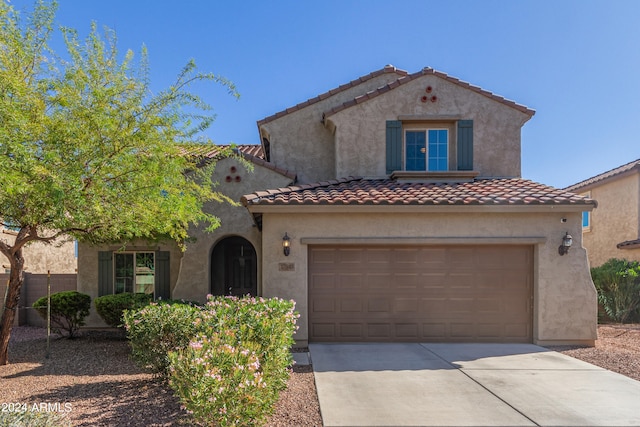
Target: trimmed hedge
68,310
112,307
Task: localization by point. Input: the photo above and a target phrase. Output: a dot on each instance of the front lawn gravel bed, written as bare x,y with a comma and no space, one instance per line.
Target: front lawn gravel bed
95,375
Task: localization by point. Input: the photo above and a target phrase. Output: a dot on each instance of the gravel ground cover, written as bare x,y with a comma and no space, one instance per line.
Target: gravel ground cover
94,379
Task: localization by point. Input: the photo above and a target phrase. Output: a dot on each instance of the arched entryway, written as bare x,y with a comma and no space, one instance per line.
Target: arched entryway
234,269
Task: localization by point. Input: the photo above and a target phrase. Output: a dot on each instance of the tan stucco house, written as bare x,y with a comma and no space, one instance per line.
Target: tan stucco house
612,230
390,208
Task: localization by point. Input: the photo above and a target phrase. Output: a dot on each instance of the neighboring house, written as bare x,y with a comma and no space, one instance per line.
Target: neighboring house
57,257
612,230
390,209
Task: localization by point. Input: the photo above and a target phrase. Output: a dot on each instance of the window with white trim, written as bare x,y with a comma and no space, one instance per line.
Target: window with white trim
134,272
426,150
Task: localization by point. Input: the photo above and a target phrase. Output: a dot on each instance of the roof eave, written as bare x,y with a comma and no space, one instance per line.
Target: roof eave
394,208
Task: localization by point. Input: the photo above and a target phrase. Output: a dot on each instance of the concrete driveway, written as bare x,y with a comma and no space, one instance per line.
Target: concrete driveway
467,385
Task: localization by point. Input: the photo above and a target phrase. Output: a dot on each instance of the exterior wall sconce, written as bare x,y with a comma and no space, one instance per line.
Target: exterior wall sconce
286,244
567,240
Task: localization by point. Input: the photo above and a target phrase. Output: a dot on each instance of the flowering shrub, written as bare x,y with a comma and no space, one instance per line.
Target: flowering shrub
220,382
157,329
231,373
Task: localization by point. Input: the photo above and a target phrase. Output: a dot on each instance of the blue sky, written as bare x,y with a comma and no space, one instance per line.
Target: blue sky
577,63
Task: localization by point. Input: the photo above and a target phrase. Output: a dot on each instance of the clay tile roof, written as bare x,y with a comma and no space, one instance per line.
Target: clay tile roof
360,191
250,152
629,167
427,71
353,83
212,151
629,244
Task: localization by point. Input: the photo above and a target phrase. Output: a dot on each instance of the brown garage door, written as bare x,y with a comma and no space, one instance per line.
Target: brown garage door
426,293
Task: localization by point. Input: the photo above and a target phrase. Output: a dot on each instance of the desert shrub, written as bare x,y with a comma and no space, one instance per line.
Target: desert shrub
618,285
231,373
158,328
220,382
68,311
33,418
111,307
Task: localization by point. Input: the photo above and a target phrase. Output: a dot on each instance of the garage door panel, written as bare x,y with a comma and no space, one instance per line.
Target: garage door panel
406,305
351,330
378,280
407,330
379,331
351,281
428,293
379,305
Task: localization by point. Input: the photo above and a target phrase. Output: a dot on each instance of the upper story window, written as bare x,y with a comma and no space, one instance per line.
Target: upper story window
418,144
427,150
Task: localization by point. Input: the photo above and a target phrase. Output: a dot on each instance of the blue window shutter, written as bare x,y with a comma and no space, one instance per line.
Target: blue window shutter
162,276
394,145
465,145
105,273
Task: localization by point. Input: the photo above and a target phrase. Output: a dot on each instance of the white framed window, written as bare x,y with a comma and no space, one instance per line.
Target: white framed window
134,272
426,149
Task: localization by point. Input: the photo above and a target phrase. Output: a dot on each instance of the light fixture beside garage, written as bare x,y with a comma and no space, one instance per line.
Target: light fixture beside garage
567,240
286,244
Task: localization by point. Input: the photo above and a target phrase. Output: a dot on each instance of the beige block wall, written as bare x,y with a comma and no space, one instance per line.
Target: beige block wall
564,295
617,219
58,257
360,131
299,141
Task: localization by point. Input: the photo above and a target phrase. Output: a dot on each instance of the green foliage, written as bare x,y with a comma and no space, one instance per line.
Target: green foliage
221,382
24,416
88,150
111,307
618,285
157,329
233,370
85,136
68,310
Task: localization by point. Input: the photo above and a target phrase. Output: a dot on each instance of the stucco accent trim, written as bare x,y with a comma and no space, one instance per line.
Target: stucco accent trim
453,240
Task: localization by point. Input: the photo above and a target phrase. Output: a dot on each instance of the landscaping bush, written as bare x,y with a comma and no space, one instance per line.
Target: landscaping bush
158,328
111,307
618,285
231,373
68,310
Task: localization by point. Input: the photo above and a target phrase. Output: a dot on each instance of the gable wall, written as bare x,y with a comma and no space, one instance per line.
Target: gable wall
360,130
299,141
615,220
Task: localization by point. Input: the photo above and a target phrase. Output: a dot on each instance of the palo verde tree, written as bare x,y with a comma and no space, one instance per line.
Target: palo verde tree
87,151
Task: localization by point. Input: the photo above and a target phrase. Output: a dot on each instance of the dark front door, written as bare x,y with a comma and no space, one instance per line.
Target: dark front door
234,268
